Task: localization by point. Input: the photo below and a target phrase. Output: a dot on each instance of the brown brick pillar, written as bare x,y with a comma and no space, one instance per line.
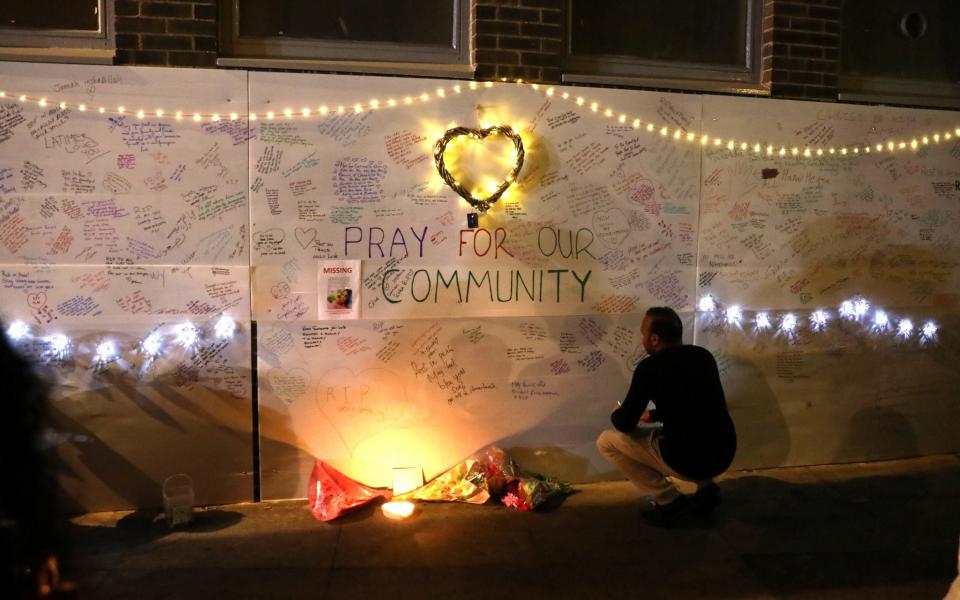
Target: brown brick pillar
175,33
519,39
805,48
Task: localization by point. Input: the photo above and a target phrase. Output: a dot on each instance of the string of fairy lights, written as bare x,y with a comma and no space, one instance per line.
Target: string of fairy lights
188,336
757,147
58,346
857,310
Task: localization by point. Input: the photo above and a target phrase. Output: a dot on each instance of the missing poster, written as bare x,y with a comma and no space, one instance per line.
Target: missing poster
339,289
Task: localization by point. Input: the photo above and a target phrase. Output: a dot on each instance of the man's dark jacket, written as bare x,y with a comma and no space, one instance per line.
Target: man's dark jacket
698,439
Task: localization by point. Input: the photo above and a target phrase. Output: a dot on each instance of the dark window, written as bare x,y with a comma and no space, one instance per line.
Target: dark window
711,45
427,22
67,30
395,36
901,52
64,15
712,32
904,39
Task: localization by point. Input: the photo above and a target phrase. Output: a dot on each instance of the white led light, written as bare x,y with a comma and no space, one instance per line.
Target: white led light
818,320
905,327
706,304
734,315
106,351
880,319
187,335
846,309
18,330
861,307
151,344
763,320
788,323
224,327
59,344
929,330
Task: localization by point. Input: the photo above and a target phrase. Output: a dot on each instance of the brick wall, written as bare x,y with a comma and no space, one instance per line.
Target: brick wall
512,39
804,49
180,33
519,39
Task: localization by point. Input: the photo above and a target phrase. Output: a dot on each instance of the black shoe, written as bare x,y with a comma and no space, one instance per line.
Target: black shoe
706,499
665,515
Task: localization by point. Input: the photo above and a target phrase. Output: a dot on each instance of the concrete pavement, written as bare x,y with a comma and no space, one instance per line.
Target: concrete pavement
869,530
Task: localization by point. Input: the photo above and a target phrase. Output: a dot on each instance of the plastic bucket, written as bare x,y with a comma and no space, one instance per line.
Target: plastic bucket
178,499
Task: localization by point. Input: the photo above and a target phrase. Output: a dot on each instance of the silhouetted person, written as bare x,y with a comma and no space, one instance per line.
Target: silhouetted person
697,440
31,533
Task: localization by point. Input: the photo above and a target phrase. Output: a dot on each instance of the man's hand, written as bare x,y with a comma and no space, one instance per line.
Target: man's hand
646,417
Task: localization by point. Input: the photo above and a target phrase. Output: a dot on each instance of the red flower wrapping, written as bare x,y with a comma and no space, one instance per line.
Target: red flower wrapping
331,492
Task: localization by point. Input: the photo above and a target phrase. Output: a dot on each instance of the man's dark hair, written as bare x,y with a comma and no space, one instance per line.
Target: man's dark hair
665,322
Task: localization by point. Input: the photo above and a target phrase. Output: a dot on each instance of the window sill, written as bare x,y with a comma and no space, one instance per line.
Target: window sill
453,71
883,90
88,56
666,83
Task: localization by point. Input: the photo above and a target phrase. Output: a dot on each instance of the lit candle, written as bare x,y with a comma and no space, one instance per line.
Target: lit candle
397,510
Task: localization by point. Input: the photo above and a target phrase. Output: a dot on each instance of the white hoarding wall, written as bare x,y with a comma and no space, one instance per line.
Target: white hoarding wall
123,245
391,334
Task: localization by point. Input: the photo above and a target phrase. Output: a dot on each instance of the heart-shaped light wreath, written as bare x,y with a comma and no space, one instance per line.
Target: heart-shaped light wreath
481,204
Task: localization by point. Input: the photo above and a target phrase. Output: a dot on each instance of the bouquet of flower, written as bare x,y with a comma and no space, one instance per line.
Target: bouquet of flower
331,492
488,474
464,482
529,492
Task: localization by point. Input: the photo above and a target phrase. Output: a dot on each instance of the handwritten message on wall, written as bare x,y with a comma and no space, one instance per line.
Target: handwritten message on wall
123,242
521,332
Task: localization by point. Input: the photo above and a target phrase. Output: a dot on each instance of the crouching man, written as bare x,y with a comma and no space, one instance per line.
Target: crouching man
697,440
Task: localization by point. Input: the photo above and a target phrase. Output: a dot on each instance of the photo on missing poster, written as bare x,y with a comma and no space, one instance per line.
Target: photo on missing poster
338,289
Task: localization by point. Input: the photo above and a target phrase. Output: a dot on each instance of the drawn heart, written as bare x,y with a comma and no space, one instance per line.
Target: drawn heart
37,300
305,235
643,191
480,203
612,227
361,405
289,385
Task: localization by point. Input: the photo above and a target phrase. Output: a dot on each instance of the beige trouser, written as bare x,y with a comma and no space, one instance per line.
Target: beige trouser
637,455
